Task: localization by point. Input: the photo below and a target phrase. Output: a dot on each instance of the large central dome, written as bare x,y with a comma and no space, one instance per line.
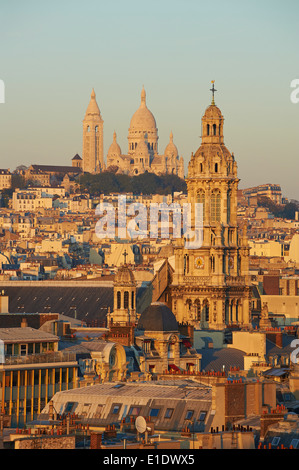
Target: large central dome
143,119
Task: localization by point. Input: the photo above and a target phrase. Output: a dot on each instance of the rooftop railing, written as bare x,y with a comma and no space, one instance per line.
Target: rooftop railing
49,357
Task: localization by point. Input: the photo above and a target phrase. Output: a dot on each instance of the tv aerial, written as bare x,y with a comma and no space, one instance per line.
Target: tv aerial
141,427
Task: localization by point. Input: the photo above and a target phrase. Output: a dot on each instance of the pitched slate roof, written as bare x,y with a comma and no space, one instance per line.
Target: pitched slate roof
215,359
90,303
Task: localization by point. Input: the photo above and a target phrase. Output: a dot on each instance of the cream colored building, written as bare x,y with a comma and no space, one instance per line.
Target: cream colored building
30,201
5,179
142,145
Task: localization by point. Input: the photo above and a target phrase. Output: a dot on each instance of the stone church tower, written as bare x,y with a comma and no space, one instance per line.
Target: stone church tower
124,304
210,286
93,144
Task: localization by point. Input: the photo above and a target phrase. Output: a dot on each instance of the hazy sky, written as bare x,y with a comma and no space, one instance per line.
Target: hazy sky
53,53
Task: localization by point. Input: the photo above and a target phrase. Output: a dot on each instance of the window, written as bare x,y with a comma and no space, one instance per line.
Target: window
69,407
169,413
294,443
115,409
98,411
201,199
23,349
134,411
126,300
215,206
275,441
154,412
189,414
202,416
85,409
118,300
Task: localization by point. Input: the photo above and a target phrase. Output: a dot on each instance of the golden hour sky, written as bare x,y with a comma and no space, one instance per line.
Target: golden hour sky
53,53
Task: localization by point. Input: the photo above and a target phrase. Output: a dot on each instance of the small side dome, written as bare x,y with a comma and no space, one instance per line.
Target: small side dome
125,276
114,149
171,149
213,112
157,317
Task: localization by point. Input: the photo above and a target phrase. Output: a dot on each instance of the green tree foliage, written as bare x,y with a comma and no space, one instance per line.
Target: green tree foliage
284,211
145,183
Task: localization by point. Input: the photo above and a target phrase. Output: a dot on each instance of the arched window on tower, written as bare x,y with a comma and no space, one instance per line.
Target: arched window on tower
200,167
215,206
88,129
219,129
201,199
216,167
126,300
96,129
208,129
214,129
186,264
132,301
118,300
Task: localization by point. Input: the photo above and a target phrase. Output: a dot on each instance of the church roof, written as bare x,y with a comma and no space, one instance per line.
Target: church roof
157,317
213,112
114,148
124,275
171,148
92,108
143,118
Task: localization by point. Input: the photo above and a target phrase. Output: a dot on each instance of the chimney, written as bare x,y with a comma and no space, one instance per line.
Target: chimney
95,440
275,336
24,323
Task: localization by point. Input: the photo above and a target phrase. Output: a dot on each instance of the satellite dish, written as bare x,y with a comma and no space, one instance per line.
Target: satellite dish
140,424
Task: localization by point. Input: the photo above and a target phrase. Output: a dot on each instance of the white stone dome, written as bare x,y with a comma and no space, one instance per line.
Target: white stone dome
143,119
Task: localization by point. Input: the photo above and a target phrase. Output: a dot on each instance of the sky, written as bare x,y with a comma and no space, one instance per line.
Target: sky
53,53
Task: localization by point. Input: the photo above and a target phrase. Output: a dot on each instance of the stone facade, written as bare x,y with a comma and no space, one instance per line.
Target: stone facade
142,153
211,284
93,145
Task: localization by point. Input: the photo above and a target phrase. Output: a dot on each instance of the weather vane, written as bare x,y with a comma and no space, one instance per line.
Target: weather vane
213,89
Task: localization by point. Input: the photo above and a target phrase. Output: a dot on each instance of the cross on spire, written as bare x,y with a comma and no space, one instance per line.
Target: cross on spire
213,89
125,254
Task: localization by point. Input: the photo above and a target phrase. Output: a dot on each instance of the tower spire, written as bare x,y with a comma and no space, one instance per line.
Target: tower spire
143,96
213,89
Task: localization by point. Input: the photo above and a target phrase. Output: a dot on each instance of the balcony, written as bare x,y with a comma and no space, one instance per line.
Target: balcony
43,358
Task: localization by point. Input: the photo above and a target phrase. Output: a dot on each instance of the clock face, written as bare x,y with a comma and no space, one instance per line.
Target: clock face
199,262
